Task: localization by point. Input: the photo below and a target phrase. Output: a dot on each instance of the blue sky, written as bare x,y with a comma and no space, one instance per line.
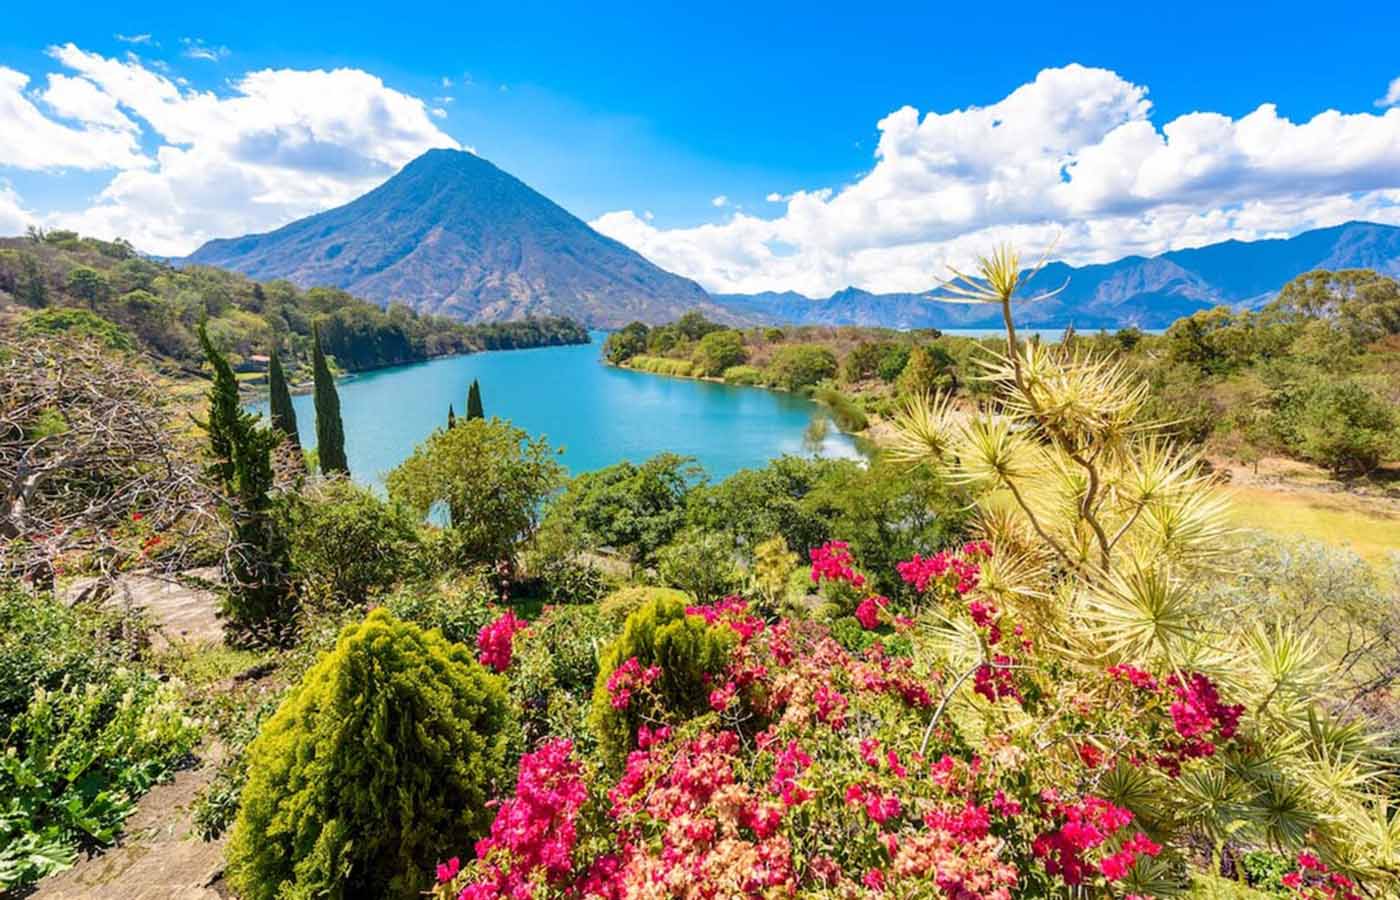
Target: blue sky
659,109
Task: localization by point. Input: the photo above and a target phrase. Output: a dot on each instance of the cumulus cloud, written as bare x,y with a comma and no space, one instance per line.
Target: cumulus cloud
14,218
1392,95
1074,154
719,202
33,140
277,145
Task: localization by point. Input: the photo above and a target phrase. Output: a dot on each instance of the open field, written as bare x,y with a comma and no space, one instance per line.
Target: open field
1369,526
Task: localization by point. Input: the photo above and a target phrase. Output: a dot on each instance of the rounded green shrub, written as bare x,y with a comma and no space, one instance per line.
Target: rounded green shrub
691,656
381,758
622,602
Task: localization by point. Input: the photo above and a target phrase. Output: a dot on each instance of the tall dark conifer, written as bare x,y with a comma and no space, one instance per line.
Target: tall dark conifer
261,599
330,432
451,416
284,415
474,410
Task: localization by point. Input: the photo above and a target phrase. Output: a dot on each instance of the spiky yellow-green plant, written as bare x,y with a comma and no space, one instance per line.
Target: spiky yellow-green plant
1105,534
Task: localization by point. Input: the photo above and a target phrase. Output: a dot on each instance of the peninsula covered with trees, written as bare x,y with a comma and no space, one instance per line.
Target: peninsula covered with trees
1312,375
56,282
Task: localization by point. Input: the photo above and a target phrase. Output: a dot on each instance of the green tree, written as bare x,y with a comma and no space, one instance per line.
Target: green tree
1344,426
719,350
451,416
490,475
626,343
474,409
284,415
347,544
693,325
88,284
260,600
701,563
801,365
632,509
382,760
892,363
928,370
35,289
330,431
1362,302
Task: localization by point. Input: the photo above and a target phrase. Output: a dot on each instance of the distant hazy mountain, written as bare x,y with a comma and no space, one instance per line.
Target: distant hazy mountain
1150,293
454,235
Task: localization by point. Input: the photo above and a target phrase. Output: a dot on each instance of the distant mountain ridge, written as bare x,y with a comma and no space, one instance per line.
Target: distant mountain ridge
454,235
1147,292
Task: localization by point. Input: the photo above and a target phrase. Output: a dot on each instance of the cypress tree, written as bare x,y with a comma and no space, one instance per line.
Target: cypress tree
474,410
330,432
284,415
451,416
260,598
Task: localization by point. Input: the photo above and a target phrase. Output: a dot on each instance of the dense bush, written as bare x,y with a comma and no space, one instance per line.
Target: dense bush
745,376
699,563
347,544
553,670
76,323
384,755
664,653
1340,424
621,603
800,366
718,351
628,508
489,477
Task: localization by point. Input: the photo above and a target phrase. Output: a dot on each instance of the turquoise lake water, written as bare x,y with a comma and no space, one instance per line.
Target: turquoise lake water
600,415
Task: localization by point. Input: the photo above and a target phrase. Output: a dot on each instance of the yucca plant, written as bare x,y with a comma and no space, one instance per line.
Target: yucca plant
1106,535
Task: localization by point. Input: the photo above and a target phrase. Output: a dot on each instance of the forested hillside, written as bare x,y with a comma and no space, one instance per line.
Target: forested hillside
59,282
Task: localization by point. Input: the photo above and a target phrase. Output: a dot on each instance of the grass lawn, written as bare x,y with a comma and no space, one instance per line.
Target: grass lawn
1370,528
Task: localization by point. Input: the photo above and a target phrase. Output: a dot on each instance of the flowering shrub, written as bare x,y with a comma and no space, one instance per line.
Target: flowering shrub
665,660
748,756
494,641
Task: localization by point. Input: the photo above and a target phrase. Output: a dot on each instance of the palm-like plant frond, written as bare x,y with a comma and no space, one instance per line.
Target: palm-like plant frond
926,429
1143,612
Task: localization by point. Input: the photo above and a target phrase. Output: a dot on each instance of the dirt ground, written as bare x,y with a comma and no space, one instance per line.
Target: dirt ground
159,857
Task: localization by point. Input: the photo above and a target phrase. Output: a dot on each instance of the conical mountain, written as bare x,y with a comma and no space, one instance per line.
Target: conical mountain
452,234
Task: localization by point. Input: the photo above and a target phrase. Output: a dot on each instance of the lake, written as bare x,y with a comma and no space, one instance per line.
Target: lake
599,414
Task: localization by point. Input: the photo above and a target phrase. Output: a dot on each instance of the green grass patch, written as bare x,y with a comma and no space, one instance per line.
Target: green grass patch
660,365
743,375
1370,528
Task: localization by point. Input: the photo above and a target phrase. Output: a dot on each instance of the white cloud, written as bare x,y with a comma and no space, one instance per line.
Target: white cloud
135,39
1392,95
278,145
195,48
1075,153
32,140
720,201
14,218
80,100
438,112
775,197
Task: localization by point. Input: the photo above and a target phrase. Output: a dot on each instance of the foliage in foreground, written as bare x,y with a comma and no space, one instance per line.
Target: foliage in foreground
385,754
82,735
1049,710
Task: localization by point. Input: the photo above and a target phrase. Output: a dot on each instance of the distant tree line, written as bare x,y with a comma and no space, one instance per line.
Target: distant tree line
104,289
